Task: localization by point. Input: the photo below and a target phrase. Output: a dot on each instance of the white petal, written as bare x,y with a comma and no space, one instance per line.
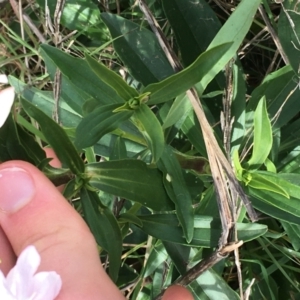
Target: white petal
6,101
3,78
46,285
22,283
4,292
19,279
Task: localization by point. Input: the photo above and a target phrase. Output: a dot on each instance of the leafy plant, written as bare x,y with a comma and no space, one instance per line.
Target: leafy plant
134,142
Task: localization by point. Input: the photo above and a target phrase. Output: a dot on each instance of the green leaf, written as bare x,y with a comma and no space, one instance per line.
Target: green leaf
45,102
236,27
238,108
131,179
82,16
180,82
289,33
127,217
282,104
214,286
180,194
239,171
293,232
149,126
112,79
233,31
195,24
179,255
180,107
99,122
276,205
290,182
104,228
156,257
139,49
192,130
57,139
207,230
262,136
80,74
119,150
69,92
11,146
266,181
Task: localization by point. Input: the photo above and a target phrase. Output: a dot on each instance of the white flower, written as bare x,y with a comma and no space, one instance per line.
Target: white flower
6,100
3,78
21,283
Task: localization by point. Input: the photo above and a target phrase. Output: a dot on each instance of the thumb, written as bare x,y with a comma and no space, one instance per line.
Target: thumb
177,292
33,212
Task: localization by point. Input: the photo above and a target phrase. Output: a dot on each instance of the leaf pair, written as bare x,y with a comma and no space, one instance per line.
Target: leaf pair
105,119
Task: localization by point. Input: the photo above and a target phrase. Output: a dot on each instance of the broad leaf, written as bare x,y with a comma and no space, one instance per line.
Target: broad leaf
139,49
206,230
131,179
276,205
195,25
99,122
270,182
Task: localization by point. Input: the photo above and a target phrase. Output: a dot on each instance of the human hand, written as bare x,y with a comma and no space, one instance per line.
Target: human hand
33,212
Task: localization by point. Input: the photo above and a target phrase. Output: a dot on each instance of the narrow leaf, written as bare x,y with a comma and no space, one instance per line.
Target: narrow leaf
112,79
80,74
57,139
289,33
180,194
105,229
263,138
264,181
180,82
151,129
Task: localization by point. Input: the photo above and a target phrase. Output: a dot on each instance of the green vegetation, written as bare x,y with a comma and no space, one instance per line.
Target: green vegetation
172,153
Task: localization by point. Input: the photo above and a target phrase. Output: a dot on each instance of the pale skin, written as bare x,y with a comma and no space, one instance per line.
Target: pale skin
57,231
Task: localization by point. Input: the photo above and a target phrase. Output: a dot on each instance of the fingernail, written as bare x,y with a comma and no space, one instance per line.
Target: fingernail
16,189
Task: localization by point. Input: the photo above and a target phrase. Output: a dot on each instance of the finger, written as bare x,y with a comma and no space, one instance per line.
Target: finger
177,292
7,255
33,212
